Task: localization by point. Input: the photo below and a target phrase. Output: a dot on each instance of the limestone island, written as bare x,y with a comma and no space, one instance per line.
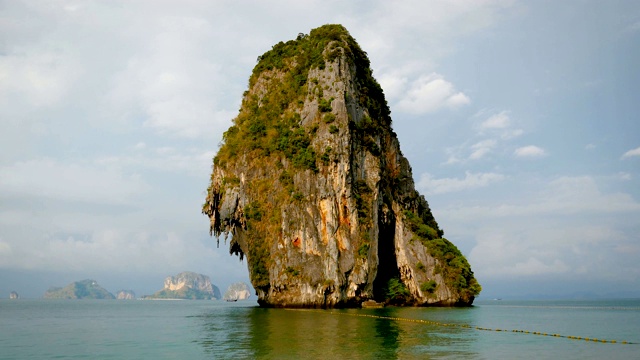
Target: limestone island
126,295
311,184
85,289
237,291
187,285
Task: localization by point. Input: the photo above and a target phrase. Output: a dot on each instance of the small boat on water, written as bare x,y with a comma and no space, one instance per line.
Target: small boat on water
371,304
231,300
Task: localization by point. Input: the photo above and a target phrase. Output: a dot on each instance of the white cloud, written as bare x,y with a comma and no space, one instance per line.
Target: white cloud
430,93
572,194
578,230
497,121
509,134
408,44
477,151
500,254
496,128
624,176
482,148
534,266
498,124
574,247
393,85
173,82
39,77
563,196
633,27
529,151
455,154
5,249
434,25
458,100
113,249
109,250
430,185
632,152
49,178
191,161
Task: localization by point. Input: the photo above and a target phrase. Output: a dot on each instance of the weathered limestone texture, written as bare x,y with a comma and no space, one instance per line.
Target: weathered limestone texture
312,186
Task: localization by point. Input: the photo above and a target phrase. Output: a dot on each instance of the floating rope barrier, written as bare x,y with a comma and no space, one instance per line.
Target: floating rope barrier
630,308
465,326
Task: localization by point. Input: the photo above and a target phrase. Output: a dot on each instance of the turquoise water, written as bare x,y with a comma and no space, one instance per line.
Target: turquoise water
112,329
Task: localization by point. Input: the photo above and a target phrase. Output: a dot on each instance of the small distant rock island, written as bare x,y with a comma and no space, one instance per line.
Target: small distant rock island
85,289
187,285
126,295
14,295
237,291
311,184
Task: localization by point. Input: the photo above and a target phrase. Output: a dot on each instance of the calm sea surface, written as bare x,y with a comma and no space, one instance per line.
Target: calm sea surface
112,329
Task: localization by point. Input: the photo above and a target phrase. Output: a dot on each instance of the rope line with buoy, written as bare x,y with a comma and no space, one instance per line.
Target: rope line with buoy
465,326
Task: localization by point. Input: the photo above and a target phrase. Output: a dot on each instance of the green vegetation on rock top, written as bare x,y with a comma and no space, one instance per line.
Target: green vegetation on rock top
268,124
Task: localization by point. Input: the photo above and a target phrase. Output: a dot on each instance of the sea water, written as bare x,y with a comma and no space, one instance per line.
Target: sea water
116,329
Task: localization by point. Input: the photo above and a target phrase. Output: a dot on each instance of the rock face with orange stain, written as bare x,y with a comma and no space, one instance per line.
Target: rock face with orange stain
311,185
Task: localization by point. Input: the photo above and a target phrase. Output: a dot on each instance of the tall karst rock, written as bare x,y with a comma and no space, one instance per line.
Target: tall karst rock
311,184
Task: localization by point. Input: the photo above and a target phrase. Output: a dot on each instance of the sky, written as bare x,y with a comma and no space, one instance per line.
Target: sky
519,119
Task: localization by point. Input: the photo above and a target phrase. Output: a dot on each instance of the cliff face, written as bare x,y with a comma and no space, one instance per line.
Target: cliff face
312,185
187,285
189,280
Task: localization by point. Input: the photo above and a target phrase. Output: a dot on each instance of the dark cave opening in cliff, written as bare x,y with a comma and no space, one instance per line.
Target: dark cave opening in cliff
387,263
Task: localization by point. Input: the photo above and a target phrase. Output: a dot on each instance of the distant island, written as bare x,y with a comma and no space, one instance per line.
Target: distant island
187,285
126,295
85,289
237,291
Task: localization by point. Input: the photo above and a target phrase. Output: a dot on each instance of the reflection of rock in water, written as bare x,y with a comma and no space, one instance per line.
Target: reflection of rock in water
225,331
388,331
259,333
239,332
